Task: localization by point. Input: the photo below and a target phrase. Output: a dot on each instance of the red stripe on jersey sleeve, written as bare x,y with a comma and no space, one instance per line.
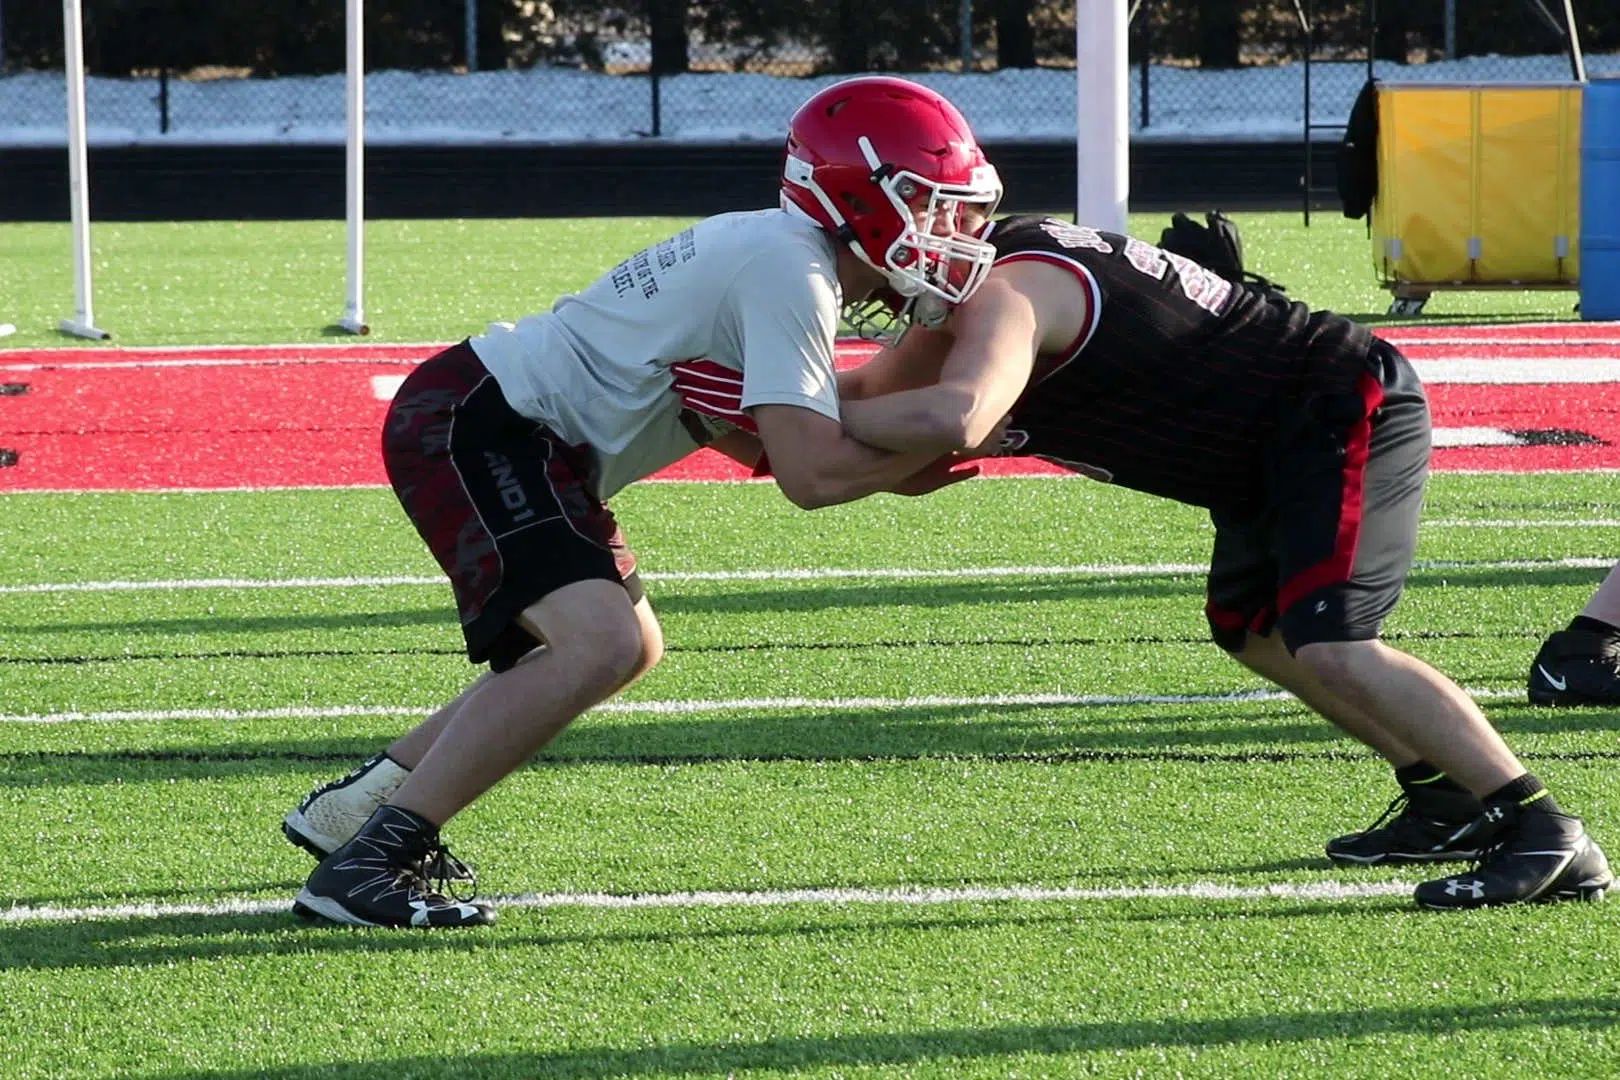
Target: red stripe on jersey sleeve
705,370
1089,290
711,389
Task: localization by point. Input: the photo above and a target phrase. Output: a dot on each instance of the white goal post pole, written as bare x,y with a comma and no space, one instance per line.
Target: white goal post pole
1102,143
354,312
83,323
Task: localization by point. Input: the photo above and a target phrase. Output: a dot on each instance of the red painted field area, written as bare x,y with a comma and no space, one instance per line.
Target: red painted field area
1518,398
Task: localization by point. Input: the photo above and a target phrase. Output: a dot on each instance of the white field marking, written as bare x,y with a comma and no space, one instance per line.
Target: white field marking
1524,523
1546,369
799,574
1475,436
680,707
384,387
1409,341
1598,471
243,489
1204,890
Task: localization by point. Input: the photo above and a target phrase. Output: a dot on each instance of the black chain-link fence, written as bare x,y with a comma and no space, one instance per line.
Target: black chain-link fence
447,71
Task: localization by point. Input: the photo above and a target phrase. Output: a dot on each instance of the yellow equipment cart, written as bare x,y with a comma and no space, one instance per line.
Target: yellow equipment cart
1478,188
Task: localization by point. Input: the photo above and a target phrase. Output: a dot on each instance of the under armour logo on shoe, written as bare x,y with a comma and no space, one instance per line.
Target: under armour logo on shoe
1321,606
1457,886
1494,813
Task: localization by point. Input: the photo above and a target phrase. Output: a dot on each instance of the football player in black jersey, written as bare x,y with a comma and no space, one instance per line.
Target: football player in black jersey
1307,439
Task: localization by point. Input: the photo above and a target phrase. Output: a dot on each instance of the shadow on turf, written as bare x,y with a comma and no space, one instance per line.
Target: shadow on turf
937,1048
259,624
148,941
754,598
1268,732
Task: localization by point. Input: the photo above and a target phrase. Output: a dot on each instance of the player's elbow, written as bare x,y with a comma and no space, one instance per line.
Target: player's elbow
807,489
956,421
978,427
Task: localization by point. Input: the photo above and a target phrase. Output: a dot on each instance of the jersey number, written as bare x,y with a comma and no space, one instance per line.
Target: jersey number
1199,284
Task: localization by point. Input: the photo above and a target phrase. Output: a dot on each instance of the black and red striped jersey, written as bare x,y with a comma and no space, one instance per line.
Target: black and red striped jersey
1176,382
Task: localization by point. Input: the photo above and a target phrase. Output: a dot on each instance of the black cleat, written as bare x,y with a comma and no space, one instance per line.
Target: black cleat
1418,827
376,879
329,816
1576,667
1528,857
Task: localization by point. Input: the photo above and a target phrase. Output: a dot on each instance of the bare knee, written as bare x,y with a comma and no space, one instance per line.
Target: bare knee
593,633
1341,666
607,654
652,644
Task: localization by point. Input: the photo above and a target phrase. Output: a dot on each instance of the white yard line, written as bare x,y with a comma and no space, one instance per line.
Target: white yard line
791,574
1204,890
1524,523
684,706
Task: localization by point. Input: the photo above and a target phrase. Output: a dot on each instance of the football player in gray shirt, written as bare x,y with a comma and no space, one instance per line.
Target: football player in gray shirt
504,449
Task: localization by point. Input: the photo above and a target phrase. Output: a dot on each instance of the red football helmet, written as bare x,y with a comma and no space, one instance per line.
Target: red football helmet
891,168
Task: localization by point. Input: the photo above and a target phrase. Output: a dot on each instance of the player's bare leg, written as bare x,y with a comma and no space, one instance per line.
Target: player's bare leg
1265,654
1419,706
333,812
594,645
1418,824
1530,849
408,749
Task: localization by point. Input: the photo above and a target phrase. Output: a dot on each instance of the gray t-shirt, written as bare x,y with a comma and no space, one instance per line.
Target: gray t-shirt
755,295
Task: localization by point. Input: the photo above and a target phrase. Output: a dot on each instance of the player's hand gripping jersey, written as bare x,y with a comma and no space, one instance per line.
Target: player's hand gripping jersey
1180,378
646,364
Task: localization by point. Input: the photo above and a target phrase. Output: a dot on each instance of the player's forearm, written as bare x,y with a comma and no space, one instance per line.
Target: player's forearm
935,420
740,446
851,470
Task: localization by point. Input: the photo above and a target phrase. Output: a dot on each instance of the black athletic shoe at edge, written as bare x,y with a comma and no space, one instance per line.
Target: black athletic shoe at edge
376,879
1419,826
1528,857
1576,667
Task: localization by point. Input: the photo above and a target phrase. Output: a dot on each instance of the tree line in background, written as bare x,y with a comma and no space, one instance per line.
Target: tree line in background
284,37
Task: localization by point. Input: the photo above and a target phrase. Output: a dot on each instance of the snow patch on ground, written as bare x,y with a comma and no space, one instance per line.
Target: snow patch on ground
566,105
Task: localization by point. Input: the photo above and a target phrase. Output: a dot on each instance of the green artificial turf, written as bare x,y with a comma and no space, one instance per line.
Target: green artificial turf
1006,686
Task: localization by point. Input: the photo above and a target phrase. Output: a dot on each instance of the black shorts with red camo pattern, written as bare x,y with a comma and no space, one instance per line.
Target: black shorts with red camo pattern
506,507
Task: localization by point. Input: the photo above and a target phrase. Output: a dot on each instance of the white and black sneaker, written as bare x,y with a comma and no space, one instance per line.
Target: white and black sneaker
329,816
376,879
1528,857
